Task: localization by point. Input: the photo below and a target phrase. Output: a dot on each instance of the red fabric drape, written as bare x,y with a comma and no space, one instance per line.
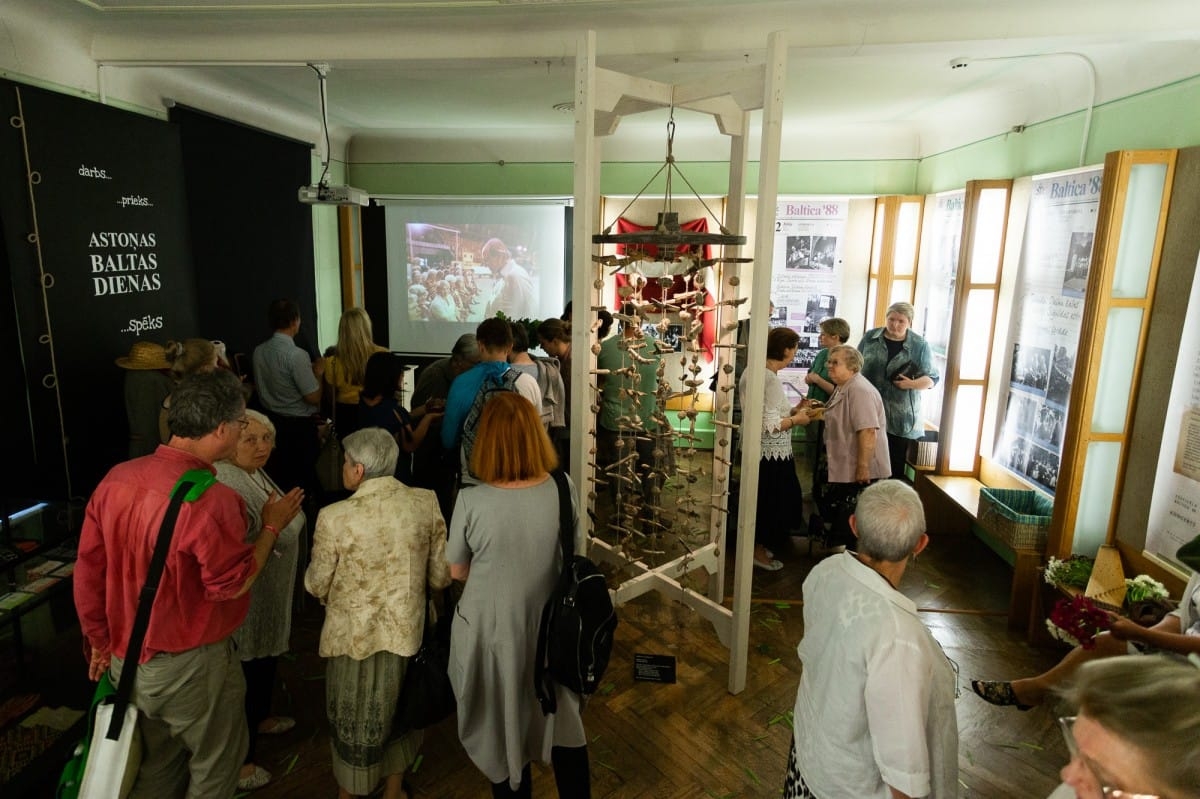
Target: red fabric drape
652,290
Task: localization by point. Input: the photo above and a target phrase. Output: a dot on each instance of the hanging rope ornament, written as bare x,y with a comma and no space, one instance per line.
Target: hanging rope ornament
656,507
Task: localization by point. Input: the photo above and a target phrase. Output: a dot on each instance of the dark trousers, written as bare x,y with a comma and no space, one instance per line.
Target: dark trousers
260,683
571,776
898,450
293,461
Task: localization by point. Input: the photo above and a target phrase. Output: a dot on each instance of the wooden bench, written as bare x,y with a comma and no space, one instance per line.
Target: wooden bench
963,492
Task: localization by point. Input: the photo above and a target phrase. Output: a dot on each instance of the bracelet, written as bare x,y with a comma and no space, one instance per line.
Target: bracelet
272,528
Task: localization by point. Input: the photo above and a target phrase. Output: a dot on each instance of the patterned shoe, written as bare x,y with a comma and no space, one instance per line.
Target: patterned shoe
997,692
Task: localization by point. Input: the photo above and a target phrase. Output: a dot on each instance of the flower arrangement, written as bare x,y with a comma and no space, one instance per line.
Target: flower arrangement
1143,588
1073,571
1077,621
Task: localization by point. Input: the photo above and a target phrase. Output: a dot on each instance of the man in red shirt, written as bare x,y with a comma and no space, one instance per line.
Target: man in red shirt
189,687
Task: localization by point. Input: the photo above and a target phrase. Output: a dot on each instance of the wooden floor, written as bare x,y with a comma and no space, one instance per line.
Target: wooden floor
694,739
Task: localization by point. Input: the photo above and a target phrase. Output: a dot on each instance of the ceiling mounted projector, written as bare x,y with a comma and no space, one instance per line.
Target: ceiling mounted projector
324,194
321,193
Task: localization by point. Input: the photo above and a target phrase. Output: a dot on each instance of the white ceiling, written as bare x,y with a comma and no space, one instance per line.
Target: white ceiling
459,80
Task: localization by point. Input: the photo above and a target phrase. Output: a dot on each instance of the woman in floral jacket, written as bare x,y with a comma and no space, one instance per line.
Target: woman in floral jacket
374,556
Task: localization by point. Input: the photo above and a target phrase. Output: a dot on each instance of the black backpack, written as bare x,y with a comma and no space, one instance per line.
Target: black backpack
575,637
506,381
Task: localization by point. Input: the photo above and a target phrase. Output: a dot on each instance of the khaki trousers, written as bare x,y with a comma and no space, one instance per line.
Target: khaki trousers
193,724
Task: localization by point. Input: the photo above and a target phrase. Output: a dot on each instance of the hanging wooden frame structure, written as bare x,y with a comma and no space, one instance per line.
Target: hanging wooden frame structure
602,98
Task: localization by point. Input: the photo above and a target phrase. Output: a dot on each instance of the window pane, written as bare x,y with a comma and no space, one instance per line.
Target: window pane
1116,369
907,224
977,334
877,242
902,291
1138,229
872,293
1096,496
964,429
989,234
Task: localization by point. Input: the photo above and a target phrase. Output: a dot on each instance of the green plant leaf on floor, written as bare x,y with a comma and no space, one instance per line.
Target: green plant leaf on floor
750,773
934,586
783,605
608,688
600,762
292,764
416,764
773,662
782,718
1033,746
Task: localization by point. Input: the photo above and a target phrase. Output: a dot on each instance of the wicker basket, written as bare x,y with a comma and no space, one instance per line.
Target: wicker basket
1018,518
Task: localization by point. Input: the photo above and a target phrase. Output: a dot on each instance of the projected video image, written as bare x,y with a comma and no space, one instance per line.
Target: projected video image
470,272
452,266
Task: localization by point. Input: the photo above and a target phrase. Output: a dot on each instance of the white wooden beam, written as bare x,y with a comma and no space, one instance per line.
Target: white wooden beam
752,401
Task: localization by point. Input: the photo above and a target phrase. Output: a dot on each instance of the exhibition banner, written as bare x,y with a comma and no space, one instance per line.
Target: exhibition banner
1048,315
807,277
1175,505
111,256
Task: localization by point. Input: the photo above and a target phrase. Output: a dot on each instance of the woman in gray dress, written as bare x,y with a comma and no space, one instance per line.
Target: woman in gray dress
264,634
504,544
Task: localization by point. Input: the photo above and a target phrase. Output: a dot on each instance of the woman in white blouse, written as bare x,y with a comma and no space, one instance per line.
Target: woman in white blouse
779,495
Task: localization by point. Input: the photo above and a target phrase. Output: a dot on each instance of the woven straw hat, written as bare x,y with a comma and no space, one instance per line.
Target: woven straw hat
144,355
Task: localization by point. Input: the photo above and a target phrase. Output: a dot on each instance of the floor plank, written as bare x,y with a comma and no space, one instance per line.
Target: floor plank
695,740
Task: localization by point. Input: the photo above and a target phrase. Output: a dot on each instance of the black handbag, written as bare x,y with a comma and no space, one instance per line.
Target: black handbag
426,696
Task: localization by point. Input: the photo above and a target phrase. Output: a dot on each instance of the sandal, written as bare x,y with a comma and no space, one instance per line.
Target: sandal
771,565
257,779
998,692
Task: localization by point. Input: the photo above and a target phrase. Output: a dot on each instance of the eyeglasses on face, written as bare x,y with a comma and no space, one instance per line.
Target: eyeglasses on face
1067,725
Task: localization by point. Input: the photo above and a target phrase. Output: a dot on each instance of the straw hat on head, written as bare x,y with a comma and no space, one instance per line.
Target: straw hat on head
144,355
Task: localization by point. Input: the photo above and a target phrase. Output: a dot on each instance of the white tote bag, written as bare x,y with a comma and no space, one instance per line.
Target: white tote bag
112,765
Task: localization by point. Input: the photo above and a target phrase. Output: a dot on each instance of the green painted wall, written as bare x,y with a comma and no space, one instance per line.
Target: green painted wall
1168,116
627,178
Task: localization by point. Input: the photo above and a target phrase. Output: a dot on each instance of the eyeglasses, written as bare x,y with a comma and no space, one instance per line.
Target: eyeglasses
242,422
1067,724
